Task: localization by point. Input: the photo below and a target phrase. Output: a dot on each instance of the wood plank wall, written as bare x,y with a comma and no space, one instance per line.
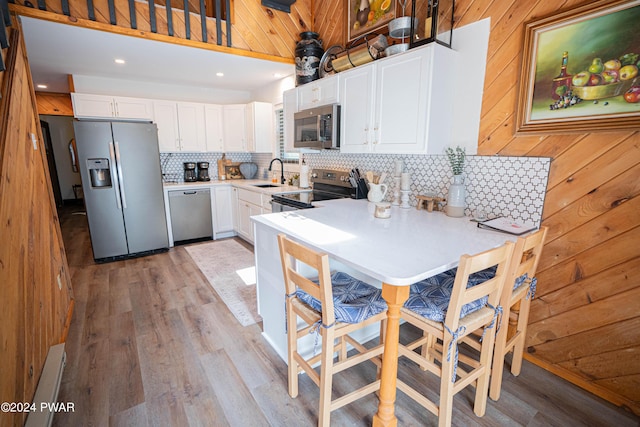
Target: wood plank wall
585,317
35,311
54,104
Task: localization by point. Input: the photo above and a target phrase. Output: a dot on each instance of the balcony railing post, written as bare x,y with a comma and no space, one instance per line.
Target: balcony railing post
203,21
132,14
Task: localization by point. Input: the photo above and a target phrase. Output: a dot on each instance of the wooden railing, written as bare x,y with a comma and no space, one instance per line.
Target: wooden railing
129,13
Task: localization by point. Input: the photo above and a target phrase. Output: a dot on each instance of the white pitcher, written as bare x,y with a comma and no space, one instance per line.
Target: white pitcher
376,192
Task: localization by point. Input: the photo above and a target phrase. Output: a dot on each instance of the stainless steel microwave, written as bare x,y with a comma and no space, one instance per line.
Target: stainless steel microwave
317,127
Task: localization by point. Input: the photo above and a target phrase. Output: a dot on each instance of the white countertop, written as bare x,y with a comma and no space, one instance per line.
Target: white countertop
406,248
249,184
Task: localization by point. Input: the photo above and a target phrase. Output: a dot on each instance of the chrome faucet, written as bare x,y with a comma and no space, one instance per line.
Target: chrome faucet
282,180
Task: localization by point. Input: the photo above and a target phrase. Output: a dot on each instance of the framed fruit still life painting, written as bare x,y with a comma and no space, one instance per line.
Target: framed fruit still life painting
366,16
580,70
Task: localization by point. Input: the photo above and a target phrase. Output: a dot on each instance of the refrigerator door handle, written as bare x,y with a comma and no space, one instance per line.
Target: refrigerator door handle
113,173
120,178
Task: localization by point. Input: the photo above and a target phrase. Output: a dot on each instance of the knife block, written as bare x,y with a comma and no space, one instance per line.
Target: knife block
361,190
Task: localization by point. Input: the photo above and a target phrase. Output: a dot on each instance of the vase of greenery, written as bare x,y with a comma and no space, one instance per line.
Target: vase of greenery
457,192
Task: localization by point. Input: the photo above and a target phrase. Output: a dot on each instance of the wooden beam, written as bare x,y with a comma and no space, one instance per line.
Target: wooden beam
72,87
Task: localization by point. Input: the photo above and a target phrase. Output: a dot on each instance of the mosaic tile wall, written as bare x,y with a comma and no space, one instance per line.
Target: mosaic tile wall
173,169
514,187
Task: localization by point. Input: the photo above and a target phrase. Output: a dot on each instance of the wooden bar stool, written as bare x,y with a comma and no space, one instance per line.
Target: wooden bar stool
333,306
448,307
516,302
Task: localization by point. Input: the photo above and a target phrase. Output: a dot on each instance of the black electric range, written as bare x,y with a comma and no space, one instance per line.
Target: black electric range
327,185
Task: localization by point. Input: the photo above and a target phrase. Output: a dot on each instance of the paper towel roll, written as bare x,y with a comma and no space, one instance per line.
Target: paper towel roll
304,176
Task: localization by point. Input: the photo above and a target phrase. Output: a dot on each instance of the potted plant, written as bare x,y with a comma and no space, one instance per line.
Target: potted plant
456,159
456,199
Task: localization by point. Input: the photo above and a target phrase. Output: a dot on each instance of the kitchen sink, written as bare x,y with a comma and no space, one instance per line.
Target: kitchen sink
265,185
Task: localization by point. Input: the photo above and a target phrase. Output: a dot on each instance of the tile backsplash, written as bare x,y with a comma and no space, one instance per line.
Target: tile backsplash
499,186
508,186
173,168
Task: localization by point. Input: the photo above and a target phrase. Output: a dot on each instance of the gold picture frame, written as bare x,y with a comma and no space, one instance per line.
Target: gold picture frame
553,96
367,16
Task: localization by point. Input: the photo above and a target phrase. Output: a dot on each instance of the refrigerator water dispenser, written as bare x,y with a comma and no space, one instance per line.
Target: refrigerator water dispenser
99,172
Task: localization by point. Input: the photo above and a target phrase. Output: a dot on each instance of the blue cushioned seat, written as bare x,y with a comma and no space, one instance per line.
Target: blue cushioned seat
354,300
430,297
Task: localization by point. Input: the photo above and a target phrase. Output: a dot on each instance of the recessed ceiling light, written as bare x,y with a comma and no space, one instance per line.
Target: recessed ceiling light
220,74
41,86
119,61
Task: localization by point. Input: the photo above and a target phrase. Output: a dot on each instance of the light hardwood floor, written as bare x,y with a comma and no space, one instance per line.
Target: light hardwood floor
152,344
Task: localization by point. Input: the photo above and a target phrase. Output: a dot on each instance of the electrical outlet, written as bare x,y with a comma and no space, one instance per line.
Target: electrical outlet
59,282
35,141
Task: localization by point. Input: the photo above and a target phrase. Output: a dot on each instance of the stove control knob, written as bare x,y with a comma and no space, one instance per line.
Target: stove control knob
314,175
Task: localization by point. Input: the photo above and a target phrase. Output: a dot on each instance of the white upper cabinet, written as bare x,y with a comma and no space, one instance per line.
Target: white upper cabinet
234,127
318,92
118,107
357,109
259,121
213,125
181,126
400,104
191,127
289,107
248,127
166,118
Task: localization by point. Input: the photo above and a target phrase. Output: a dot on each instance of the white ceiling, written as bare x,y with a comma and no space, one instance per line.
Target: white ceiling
57,50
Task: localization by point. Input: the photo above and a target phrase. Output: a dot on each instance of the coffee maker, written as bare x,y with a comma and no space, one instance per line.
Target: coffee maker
203,171
190,172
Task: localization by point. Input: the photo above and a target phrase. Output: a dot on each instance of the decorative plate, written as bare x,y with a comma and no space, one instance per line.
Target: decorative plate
248,170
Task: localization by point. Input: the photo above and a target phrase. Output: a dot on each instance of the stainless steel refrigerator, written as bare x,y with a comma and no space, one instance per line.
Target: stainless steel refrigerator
122,184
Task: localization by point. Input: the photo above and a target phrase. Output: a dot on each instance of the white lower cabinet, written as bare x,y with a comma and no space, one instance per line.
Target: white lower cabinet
249,203
223,224
400,104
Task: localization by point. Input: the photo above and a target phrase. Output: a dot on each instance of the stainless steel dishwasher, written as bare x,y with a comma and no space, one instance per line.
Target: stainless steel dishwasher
190,214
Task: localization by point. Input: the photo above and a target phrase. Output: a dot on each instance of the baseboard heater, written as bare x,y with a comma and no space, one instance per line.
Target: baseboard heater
47,391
